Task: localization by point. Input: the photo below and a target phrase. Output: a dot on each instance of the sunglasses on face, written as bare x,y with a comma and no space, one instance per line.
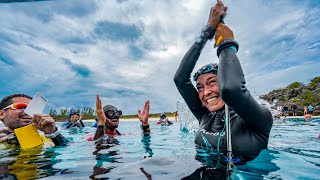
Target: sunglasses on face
113,114
206,69
17,106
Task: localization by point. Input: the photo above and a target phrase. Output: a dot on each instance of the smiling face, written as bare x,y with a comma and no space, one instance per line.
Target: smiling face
112,124
209,92
15,118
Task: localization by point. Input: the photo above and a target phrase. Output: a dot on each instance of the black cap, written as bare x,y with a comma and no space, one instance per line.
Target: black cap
109,107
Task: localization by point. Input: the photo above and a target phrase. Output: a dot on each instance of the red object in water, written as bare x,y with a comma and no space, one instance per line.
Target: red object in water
307,116
318,138
159,122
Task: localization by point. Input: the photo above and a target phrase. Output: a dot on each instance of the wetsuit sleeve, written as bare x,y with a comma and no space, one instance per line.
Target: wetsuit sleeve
234,92
183,82
81,123
99,133
69,125
145,130
60,140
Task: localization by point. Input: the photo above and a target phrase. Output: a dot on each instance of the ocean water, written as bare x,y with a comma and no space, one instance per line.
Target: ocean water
169,153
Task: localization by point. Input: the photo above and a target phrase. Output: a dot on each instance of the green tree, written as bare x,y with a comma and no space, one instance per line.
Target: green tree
88,112
64,112
295,85
282,98
315,81
52,112
310,98
295,100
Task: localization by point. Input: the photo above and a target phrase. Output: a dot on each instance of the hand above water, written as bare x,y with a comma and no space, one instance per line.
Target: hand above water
100,113
44,123
216,12
144,114
223,32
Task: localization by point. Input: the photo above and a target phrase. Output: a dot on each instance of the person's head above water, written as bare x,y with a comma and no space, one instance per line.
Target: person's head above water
12,111
74,116
112,115
208,88
163,115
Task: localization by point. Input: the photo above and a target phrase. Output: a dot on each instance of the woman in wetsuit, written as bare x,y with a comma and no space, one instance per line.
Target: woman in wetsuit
217,84
74,120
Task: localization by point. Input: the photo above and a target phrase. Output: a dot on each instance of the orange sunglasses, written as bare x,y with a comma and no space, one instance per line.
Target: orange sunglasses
17,106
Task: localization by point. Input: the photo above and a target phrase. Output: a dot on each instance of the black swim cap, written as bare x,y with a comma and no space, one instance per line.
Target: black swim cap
209,68
112,112
109,107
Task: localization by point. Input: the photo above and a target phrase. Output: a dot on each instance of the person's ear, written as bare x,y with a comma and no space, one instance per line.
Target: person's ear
2,114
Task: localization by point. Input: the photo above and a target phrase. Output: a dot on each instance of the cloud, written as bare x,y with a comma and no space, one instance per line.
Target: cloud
128,51
117,31
79,69
5,59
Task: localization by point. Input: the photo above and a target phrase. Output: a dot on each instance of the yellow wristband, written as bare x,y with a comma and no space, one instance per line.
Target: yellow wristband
219,41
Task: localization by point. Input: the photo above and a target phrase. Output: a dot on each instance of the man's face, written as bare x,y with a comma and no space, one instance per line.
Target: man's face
15,118
112,123
209,92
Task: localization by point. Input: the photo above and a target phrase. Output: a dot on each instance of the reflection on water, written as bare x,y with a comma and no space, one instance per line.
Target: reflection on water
27,164
167,154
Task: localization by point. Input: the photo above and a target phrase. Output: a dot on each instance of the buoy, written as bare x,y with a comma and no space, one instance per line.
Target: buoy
307,116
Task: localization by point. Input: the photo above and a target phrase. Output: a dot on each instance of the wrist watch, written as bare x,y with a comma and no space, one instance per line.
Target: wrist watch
54,134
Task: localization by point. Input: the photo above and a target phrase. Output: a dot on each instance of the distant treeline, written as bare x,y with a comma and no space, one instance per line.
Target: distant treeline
89,113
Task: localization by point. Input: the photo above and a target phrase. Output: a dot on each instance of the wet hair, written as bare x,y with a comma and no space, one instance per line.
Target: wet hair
6,101
74,113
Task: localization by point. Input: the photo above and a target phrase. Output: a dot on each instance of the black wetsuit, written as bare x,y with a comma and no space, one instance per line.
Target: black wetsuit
77,124
250,122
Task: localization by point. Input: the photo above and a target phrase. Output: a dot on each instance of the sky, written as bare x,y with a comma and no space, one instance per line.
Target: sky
128,51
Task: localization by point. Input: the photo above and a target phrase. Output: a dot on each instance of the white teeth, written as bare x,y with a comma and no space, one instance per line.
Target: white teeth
211,100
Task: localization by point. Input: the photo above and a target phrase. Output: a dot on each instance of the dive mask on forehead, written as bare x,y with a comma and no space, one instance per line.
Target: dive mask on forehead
113,113
209,68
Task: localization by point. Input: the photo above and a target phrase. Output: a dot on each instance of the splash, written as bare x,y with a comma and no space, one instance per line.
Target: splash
271,107
188,123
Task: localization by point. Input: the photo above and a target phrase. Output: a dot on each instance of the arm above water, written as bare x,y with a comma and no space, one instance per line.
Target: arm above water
183,75
101,119
99,133
57,138
233,88
143,117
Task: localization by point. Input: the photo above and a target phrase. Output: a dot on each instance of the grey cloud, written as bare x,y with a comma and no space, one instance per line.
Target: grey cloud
81,70
117,31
